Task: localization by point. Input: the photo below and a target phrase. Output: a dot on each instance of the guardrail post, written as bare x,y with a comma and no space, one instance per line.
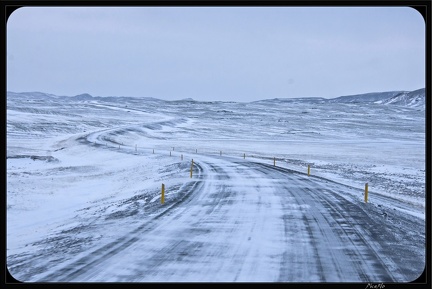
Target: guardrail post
163,194
366,193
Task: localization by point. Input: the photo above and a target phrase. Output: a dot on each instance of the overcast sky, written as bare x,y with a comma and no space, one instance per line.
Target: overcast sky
215,53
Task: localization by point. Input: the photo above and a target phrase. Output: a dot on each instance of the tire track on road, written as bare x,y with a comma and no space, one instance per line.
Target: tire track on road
367,242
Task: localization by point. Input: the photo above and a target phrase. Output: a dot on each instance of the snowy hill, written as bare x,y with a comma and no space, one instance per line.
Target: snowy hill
291,100
84,96
404,98
31,95
414,98
367,97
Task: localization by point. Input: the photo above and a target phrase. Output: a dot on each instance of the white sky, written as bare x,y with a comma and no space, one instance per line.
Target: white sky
215,53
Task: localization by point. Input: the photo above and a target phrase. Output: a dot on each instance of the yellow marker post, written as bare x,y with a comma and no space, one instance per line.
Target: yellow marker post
191,168
308,170
366,193
163,194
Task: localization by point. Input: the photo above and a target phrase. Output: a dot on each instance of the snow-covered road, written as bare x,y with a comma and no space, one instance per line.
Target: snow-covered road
246,221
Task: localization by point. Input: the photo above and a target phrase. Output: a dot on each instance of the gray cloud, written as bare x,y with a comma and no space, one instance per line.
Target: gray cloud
226,53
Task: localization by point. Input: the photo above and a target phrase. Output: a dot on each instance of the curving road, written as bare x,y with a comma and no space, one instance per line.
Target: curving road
244,221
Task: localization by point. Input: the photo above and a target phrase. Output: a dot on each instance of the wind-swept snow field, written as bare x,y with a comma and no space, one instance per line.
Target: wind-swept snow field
84,177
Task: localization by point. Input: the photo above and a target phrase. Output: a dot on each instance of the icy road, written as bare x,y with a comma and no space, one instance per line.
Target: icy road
247,221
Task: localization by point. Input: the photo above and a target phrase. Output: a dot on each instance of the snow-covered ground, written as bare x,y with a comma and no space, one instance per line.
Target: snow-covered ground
84,179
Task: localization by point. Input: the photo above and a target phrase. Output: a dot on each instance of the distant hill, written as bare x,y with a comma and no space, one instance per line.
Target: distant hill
414,98
366,97
32,95
292,100
84,96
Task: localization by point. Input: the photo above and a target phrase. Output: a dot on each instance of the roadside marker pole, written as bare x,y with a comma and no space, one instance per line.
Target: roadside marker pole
308,170
153,150
181,157
366,193
163,194
191,168
221,153
274,161
196,150
135,148
244,155
170,153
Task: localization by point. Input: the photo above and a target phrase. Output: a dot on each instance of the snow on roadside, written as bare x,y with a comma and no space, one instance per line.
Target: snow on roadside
48,197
